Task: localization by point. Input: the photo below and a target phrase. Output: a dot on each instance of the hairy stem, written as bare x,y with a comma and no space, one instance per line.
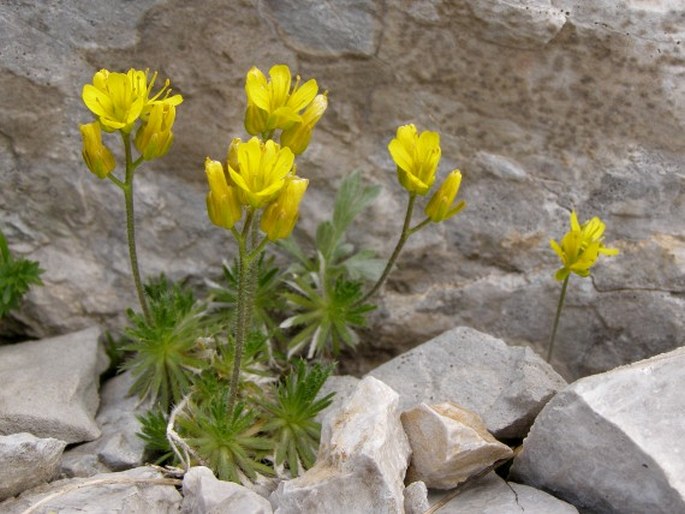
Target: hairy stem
550,348
406,232
131,226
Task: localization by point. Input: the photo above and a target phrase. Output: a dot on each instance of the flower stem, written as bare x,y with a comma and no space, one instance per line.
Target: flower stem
127,188
243,307
406,232
550,348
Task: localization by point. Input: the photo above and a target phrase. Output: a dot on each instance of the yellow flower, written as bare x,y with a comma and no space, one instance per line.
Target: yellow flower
119,99
261,170
580,247
298,136
154,137
280,216
417,158
223,205
271,104
97,156
441,205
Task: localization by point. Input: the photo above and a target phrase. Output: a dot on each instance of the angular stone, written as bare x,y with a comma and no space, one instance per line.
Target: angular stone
26,462
51,386
416,498
203,493
449,444
118,447
361,463
139,490
507,386
493,495
612,431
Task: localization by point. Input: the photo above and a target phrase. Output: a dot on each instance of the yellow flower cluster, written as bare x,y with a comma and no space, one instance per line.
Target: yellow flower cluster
119,101
580,247
259,174
417,157
273,105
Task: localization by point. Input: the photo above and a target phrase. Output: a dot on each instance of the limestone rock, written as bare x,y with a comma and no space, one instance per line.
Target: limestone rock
361,463
507,386
449,444
118,447
613,431
136,491
51,386
416,498
493,495
26,462
204,493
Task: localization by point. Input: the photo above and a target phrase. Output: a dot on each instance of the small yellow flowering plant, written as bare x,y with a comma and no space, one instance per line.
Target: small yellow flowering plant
578,250
120,102
228,390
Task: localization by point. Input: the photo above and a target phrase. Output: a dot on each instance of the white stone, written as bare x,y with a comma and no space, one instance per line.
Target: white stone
136,491
416,498
619,436
493,495
361,463
507,386
343,386
204,493
449,444
26,462
50,387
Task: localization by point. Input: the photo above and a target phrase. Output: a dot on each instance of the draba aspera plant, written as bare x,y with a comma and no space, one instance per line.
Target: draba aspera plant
578,250
230,391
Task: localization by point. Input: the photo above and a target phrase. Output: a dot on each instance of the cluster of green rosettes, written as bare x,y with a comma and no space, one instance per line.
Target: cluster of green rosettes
240,403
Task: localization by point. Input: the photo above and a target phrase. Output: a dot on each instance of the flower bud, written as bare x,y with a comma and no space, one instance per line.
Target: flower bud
298,136
223,204
280,216
97,156
441,206
154,137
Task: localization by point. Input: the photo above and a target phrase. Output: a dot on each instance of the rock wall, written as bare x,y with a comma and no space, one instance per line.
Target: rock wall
545,105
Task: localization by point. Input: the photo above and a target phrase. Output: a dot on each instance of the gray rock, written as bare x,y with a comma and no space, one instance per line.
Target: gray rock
204,493
361,463
449,445
118,447
507,386
416,498
544,105
136,491
51,386
619,436
26,462
494,495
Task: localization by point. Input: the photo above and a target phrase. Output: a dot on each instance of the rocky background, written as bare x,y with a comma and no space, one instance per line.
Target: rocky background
545,106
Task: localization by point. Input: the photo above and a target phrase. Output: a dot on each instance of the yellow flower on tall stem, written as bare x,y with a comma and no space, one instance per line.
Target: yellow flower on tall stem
119,101
223,205
578,250
417,157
